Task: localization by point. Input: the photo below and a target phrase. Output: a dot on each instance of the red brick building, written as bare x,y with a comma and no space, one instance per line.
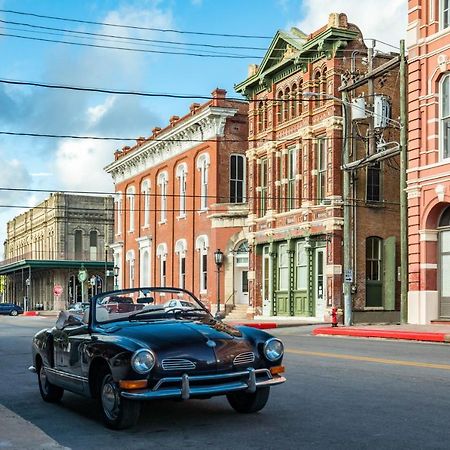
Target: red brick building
295,178
180,196
429,160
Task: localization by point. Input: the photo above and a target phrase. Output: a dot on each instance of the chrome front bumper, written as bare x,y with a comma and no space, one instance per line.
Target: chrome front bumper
187,386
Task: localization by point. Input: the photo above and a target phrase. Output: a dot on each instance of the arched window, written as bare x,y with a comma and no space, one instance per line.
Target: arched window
445,117
118,201
93,238
130,206
444,220
181,175
317,97
287,98
237,178
161,253
145,191
280,107
180,250
300,97
131,267
78,244
202,245
323,85
260,116
294,101
202,166
162,186
145,267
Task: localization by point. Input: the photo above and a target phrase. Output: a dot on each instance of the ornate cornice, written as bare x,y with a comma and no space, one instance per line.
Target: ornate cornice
208,124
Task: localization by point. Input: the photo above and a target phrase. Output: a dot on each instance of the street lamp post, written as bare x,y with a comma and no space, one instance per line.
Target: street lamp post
218,259
116,275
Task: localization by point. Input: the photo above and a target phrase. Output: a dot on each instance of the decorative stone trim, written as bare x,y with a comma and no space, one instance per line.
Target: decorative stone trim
428,235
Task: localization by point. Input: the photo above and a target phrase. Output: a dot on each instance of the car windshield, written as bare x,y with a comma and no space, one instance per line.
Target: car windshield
147,304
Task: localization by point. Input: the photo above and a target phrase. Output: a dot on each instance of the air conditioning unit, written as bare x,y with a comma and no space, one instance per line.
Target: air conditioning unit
381,111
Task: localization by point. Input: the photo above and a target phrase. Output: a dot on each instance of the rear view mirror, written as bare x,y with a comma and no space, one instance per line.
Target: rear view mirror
145,300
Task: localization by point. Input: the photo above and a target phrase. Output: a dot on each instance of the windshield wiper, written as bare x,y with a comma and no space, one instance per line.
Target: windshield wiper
143,312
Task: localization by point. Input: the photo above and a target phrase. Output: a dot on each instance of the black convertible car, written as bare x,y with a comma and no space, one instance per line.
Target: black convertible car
148,351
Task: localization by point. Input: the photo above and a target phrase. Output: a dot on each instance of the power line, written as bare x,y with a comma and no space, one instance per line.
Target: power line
167,140
130,38
139,50
134,27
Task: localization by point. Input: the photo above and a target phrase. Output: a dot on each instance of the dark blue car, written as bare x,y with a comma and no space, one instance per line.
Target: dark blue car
10,309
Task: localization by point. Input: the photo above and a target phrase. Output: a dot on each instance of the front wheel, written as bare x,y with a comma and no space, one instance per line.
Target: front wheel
118,413
244,402
13,312
49,392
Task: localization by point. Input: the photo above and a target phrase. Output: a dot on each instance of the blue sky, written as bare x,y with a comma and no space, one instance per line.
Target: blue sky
60,164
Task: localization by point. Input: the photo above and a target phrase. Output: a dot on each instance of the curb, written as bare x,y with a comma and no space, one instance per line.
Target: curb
30,313
271,325
384,334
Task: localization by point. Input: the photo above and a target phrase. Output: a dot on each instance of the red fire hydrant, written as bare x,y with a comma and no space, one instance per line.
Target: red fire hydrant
334,317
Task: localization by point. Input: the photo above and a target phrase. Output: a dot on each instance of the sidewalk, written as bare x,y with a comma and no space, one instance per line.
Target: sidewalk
276,322
425,333
17,433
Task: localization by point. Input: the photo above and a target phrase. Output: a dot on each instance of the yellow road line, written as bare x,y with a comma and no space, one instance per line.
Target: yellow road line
394,362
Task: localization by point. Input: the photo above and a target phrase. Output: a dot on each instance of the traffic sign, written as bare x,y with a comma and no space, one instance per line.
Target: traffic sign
57,290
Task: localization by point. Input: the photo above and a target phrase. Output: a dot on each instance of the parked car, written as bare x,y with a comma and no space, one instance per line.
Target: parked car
78,307
178,304
122,359
10,308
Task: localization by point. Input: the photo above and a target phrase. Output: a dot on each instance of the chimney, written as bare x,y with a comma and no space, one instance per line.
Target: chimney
337,20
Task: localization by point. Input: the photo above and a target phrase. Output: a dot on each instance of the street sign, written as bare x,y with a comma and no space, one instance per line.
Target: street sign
57,290
348,277
82,275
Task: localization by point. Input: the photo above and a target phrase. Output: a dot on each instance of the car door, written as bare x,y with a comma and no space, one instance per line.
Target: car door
68,356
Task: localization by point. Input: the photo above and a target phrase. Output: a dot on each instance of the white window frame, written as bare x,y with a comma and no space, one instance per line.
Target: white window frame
180,250
444,14
161,253
131,194
131,268
145,267
236,181
301,266
203,165
182,181
283,267
162,184
146,197
118,200
202,246
444,118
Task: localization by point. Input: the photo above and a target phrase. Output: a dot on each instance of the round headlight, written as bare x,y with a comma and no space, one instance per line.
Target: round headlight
143,360
273,349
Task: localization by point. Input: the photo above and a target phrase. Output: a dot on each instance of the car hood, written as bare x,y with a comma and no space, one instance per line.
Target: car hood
212,346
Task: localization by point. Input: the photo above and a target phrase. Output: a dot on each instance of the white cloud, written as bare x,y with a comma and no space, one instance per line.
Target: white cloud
96,113
79,165
385,20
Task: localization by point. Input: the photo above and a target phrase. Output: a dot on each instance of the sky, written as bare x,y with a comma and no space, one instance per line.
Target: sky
58,164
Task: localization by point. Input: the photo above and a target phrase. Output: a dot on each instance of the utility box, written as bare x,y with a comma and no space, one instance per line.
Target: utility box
382,111
359,108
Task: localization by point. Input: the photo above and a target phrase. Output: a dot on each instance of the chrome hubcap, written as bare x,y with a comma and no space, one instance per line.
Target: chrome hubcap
110,400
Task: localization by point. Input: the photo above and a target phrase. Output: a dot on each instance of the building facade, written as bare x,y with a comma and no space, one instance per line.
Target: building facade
295,188
180,197
48,246
429,160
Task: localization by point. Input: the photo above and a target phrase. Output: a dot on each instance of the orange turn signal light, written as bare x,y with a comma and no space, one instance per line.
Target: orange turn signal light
133,384
276,370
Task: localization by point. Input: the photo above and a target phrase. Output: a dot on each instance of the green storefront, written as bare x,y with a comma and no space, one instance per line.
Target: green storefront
293,277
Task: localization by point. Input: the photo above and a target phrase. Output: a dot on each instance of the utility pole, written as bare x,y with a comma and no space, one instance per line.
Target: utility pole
347,231
403,197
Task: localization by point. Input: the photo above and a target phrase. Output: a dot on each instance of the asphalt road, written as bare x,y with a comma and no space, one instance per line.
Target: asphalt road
341,393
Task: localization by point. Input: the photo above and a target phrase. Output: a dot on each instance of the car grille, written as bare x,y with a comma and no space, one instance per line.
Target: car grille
177,364
244,358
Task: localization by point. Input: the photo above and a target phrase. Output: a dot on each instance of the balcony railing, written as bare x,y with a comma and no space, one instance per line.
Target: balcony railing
54,256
